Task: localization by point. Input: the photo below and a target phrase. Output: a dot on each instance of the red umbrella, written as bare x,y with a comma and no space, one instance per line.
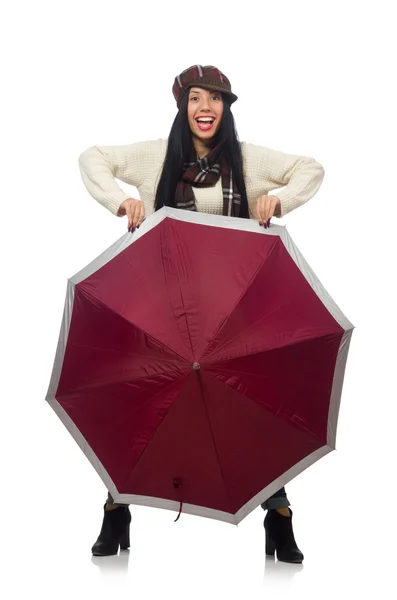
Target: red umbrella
200,364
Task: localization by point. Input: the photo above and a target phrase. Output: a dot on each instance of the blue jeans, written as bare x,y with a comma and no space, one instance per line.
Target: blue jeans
278,500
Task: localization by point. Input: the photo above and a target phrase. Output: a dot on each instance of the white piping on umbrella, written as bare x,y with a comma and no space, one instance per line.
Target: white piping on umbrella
313,280
192,509
229,223
245,510
62,341
280,482
174,213
337,385
340,318
124,242
82,442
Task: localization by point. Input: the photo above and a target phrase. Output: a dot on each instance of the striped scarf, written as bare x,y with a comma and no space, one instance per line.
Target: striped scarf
205,172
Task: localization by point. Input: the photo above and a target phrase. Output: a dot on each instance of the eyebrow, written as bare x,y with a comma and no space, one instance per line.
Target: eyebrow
197,91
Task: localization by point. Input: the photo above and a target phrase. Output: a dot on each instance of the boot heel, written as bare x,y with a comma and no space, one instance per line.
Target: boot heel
115,532
270,545
125,538
280,537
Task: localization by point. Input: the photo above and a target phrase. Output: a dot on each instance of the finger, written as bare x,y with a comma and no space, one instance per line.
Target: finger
268,214
260,209
121,211
141,213
131,216
136,214
257,210
265,209
272,209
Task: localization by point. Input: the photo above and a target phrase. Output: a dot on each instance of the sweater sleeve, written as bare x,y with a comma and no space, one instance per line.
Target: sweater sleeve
131,163
301,175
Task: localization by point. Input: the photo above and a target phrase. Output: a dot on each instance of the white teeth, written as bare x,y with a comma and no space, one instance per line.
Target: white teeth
205,120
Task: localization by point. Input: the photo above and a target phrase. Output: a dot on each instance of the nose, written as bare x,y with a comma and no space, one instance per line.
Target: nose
205,104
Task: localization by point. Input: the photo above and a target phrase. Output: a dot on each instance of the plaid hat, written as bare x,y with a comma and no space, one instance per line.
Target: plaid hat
207,77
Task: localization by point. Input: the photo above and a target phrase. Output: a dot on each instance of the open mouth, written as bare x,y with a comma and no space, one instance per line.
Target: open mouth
205,123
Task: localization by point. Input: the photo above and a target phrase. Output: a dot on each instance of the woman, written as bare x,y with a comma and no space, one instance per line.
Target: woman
201,166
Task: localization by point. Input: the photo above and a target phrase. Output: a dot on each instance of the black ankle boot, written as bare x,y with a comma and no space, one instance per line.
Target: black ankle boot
280,537
115,532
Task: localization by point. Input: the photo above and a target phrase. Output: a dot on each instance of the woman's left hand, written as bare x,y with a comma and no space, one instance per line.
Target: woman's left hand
266,208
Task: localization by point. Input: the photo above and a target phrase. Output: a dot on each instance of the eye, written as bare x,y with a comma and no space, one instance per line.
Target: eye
193,97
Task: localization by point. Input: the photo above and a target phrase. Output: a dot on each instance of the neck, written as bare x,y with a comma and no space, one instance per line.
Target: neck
202,148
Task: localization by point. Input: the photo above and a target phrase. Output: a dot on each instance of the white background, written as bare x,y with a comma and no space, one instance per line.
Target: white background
313,78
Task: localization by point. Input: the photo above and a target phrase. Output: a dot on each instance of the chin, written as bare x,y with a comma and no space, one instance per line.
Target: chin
206,137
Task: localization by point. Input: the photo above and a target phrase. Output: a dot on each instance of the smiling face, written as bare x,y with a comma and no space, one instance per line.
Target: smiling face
204,111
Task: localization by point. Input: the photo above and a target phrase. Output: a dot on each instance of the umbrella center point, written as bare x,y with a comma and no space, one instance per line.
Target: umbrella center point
196,366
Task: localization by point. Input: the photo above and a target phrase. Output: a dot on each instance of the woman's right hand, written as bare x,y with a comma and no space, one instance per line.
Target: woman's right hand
135,211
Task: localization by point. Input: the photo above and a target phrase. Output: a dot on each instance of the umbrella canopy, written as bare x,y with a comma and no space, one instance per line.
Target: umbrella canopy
200,361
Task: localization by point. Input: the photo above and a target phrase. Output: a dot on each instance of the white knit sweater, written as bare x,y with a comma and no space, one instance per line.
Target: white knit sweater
140,165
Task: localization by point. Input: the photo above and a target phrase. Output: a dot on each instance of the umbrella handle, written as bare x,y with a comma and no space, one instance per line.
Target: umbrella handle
180,510
178,484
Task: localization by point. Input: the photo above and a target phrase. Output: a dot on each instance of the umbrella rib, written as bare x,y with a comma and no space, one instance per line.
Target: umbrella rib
293,343
90,347
156,342
154,432
181,256
267,408
244,331
213,437
243,293
102,385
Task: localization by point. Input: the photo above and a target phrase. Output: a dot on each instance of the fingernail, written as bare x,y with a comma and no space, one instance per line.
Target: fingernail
260,223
